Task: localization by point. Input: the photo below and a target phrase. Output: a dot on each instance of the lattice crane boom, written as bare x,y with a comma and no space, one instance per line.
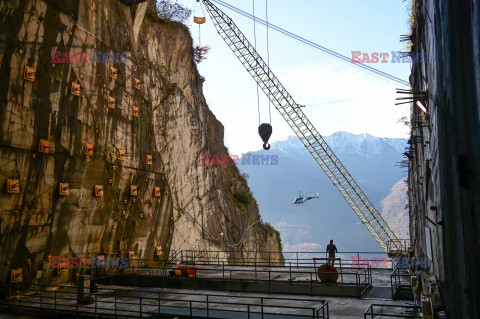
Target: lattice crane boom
304,129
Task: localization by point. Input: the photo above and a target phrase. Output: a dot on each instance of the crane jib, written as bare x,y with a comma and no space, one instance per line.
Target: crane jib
305,130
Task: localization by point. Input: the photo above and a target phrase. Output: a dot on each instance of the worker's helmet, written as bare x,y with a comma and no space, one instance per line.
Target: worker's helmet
331,241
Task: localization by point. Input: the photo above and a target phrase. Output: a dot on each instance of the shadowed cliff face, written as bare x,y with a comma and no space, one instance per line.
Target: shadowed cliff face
395,209
87,137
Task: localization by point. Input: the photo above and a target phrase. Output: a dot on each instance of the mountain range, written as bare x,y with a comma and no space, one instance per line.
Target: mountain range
372,163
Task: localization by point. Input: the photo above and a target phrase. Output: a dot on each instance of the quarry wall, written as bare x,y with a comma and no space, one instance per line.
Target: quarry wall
102,127
444,175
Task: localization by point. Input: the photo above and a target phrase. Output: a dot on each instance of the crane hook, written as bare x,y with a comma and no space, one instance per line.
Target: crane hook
265,131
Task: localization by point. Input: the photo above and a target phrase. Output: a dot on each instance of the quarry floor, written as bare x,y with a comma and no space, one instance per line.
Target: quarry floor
341,308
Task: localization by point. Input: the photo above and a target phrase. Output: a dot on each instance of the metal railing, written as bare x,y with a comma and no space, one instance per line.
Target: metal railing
364,279
324,309
399,279
228,278
379,310
173,257
55,301
397,247
375,260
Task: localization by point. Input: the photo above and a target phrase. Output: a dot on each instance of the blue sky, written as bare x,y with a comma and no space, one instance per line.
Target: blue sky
311,76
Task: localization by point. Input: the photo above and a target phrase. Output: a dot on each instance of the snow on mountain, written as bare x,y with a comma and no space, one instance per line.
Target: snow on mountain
353,144
371,161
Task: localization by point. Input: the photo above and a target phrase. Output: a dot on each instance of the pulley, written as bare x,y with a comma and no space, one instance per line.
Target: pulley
265,131
199,20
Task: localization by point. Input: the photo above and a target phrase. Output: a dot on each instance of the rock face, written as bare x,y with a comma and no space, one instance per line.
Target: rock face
76,162
395,209
444,176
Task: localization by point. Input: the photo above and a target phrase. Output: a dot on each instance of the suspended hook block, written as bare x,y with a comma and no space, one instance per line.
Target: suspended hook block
156,191
149,159
265,131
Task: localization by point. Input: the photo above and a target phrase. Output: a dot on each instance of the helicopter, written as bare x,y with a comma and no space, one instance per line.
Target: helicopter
302,198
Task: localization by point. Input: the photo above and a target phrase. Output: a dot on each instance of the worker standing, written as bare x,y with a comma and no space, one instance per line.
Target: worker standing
331,250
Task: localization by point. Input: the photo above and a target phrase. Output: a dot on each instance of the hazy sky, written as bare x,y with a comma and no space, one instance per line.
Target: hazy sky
311,76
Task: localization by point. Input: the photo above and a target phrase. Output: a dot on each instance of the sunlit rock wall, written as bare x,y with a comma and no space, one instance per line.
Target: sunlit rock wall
62,41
